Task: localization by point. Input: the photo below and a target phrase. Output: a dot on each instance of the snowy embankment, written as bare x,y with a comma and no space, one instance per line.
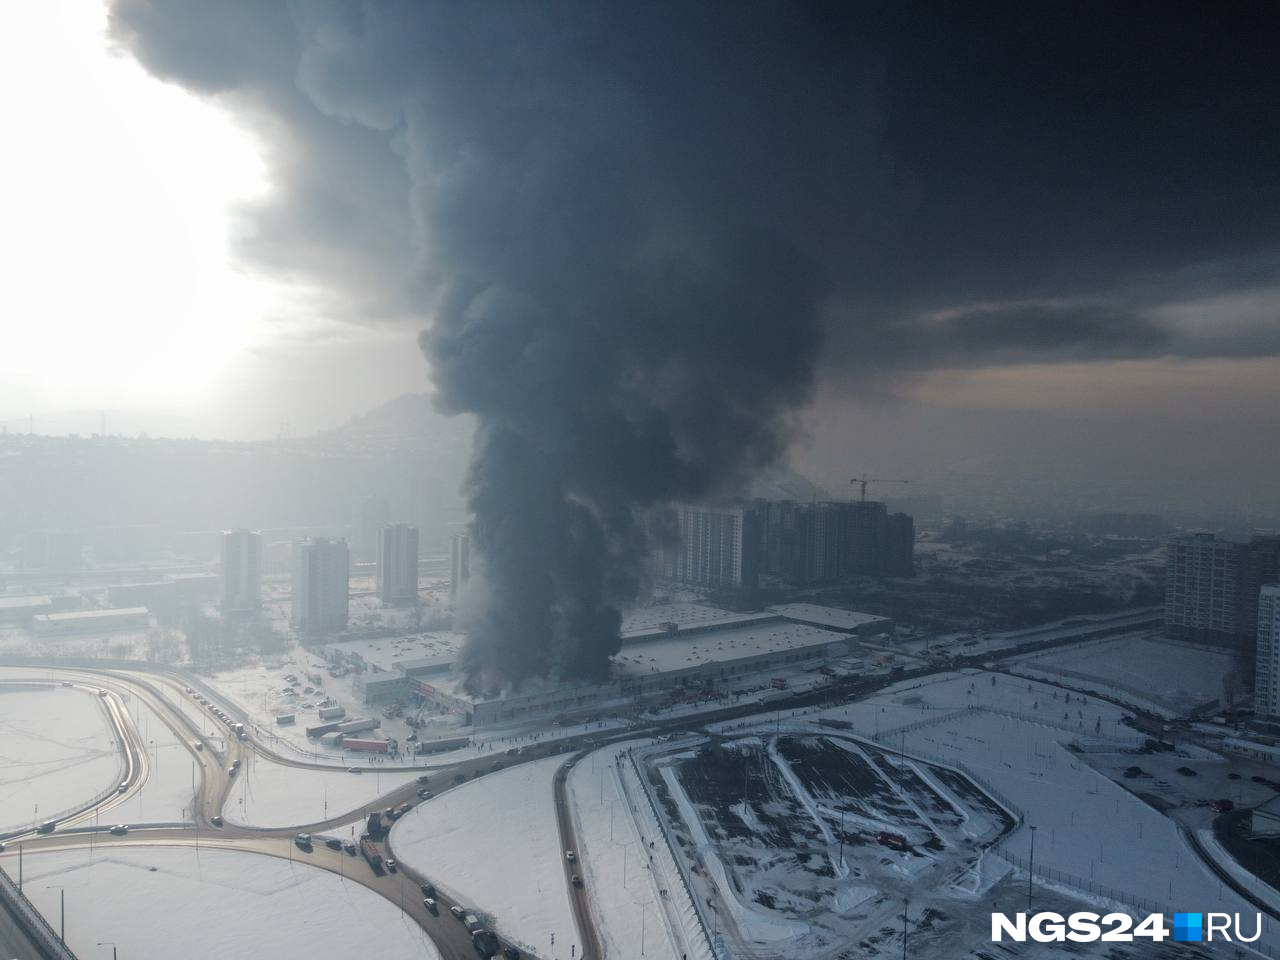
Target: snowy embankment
637,899
57,751
268,794
161,902
494,846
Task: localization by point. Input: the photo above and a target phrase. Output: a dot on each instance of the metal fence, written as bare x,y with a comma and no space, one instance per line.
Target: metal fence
32,922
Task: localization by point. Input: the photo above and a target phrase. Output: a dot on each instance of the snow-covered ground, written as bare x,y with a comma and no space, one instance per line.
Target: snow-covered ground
172,774
639,905
1089,830
493,844
160,902
268,794
57,750
1175,676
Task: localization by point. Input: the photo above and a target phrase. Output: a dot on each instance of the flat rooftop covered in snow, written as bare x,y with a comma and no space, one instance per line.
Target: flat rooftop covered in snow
647,620
848,621
386,653
92,616
682,652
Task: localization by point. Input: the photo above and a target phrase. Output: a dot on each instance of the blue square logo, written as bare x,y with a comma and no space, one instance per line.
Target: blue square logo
1188,927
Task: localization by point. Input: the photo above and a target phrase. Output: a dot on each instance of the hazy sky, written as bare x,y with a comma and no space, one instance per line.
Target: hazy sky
1062,245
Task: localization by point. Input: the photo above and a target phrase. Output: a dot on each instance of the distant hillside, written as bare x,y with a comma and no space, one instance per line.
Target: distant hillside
409,422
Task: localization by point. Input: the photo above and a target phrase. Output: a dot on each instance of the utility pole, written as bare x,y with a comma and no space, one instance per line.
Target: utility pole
1031,868
905,905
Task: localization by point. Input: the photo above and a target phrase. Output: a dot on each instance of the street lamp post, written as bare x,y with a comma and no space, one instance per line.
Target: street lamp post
905,906
108,943
62,912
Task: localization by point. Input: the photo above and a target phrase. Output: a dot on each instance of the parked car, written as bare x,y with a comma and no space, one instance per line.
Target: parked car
425,794
303,840
349,847
429,903
333,843
1187,772
457,911
216,821
428,890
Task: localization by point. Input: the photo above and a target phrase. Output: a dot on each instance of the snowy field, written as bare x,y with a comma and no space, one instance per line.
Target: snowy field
1177,676
493,844
57,751
162,902
614,828
268,794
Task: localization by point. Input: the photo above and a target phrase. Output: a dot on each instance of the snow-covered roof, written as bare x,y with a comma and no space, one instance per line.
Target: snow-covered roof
122,613
679,652
386,653
825,616
646,620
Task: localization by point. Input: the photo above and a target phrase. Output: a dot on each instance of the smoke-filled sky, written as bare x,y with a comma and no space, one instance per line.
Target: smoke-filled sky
1006,233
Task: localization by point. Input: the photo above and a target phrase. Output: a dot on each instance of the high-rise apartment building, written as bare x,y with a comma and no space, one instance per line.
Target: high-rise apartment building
398,563
1266,691
459,562
706,547
1212,587
240,592
1202,598
321,573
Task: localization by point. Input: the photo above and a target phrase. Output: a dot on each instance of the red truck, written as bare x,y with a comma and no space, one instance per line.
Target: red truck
369,746
370,851
894,841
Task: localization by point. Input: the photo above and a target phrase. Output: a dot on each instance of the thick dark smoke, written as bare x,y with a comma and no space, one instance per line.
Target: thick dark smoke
626,226
618,210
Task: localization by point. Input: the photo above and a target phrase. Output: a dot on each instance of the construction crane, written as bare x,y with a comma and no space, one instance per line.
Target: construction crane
863,480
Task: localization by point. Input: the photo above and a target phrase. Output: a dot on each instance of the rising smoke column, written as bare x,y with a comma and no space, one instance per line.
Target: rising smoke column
622,213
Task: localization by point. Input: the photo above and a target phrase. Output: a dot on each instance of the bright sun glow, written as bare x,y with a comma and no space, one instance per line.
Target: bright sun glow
117,192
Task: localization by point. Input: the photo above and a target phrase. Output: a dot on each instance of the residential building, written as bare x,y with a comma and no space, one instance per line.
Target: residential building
708,547
1266,693
1212,587
241,592
321,574
398,563
459,562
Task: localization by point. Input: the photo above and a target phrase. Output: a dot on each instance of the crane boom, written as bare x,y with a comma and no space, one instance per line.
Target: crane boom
863,480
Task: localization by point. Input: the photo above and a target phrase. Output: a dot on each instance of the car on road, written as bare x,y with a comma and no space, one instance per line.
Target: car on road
333,843
199,744
576,880
428,890
303,840
390,864
354,770
570,856
457,911
102,692
1187,772
424,778
231,770
122,788
425,794
47,827
66,683
120,829
460,778
429,903
349,847
216,821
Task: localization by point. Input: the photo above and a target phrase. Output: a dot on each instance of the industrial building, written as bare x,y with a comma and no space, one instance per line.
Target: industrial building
90,621
666,658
